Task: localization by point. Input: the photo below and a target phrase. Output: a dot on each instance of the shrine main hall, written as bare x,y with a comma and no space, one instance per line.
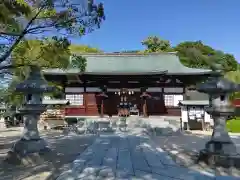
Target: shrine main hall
150,84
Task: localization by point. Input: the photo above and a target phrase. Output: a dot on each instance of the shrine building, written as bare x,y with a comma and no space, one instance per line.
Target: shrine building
152,84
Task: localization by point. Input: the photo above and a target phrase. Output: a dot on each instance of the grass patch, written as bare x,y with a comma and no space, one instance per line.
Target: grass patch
234,125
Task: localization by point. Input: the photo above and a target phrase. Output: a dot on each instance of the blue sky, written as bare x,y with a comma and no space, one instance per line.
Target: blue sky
128,22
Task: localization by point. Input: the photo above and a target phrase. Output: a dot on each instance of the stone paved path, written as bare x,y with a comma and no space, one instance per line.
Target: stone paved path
128,156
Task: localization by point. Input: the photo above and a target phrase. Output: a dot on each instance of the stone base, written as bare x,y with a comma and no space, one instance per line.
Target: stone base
23,150
218,159
24,147
227,148
217,153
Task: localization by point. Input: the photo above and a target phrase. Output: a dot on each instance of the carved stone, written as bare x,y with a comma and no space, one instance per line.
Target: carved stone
33,88
220,109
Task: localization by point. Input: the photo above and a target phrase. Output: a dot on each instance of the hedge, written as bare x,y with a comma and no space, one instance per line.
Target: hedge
234,125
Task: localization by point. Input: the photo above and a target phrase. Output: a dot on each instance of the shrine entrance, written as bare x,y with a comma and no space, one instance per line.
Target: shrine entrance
129,102
121,102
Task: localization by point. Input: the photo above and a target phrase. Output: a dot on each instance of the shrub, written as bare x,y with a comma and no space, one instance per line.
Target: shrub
234,125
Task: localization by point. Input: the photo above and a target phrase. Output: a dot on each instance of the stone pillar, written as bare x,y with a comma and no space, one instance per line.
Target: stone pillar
30,131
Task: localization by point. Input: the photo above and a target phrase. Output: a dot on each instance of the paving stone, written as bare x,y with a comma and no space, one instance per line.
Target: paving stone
99,154
152,156
106,173
89,173
164,157
151,176
123,143
128,158
110,158
227,178
181,173
124,162
66,175
138,160
123,174
133,141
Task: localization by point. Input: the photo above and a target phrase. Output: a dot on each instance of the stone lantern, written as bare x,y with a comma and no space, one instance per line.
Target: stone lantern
220,108
32,88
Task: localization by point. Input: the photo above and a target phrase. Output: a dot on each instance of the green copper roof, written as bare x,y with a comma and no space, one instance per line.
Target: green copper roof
132,64
193,102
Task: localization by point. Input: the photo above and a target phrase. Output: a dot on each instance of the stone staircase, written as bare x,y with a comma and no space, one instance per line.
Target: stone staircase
154,125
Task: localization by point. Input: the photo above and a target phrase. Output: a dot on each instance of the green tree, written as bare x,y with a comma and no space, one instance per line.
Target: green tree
197,55
78,49
48,53
234,76
21,19
155,44
78,61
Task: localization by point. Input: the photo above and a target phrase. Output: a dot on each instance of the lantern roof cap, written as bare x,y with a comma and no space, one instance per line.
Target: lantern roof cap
34,83
218,85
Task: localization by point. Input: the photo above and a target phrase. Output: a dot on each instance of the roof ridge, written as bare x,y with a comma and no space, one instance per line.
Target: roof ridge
125,54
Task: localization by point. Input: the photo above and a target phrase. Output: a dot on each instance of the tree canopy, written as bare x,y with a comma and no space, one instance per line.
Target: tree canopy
83,49
155,44
198,55
192,54
21,19
47,53
234,76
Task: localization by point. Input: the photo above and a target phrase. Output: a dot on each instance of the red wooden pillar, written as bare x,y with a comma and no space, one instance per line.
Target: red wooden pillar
102,96
145,96
102,108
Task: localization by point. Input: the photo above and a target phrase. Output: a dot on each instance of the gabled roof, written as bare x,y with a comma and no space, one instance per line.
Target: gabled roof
120,64
55,101
195,95
194,102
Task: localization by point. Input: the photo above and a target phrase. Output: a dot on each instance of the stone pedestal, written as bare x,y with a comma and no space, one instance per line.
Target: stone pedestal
221,141
30,141
24,147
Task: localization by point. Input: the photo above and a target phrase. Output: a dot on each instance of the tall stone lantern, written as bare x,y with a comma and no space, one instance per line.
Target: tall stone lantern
32,88
220,108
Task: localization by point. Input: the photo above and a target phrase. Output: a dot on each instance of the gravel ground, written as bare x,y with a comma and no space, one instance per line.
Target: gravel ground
47,166
184,147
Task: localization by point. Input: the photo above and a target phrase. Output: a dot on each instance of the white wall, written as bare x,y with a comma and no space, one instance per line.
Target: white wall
194,112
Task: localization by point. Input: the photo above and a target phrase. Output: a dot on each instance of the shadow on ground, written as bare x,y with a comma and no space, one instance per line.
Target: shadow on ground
46,165
184,148
127,157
